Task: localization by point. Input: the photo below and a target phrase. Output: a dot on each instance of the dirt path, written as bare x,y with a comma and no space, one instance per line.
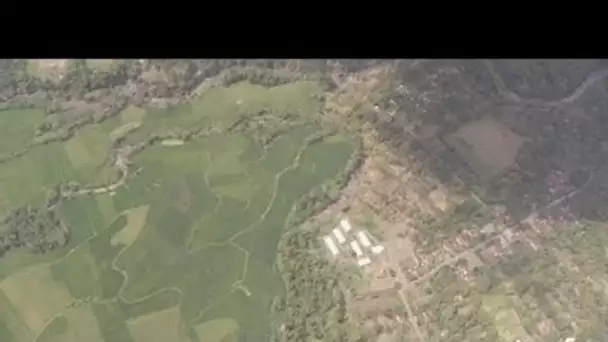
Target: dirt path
580,90
403,297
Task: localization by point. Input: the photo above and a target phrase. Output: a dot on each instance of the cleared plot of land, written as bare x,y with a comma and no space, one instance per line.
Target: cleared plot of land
74,325
77,151
49,69
507,322
36,296
161,326
132,114
136,219
12,328
217,330
487,144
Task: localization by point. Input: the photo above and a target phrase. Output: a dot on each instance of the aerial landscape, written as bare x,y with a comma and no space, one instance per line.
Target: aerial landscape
309,200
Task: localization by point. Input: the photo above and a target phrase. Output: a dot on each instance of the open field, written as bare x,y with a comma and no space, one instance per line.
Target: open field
158,327
217,330
36,297
185,249
73,325
23,124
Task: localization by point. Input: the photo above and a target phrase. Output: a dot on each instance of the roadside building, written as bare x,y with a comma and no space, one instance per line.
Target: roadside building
362,236
345,225
339,236
354,245
330,245
377,249
364,261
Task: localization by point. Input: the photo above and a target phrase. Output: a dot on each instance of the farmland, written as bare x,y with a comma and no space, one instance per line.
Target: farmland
162,241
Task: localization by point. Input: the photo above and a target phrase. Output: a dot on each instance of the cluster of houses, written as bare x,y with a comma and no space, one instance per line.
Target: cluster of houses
358,242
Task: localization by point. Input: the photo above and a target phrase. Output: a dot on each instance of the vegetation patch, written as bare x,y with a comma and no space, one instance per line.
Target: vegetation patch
21,125
106,207
88,150
112,322
12,327
103,65
79,272
507,321
49,69
132,114
77,151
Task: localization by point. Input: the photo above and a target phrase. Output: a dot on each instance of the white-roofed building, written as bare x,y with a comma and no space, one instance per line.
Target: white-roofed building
362,236
364,261
339,236
356,248
330,245
377,249
345,225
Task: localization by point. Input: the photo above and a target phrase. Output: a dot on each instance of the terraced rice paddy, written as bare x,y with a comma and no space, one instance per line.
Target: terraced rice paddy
182,251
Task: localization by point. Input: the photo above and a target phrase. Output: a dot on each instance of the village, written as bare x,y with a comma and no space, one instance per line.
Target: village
452,198
395,268
483,245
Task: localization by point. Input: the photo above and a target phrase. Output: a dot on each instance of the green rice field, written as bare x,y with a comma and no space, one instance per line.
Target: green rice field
183,251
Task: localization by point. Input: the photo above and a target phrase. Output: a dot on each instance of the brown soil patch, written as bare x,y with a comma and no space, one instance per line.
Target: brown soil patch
136,221
53,69
102,64
487,144
473,261
439,197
